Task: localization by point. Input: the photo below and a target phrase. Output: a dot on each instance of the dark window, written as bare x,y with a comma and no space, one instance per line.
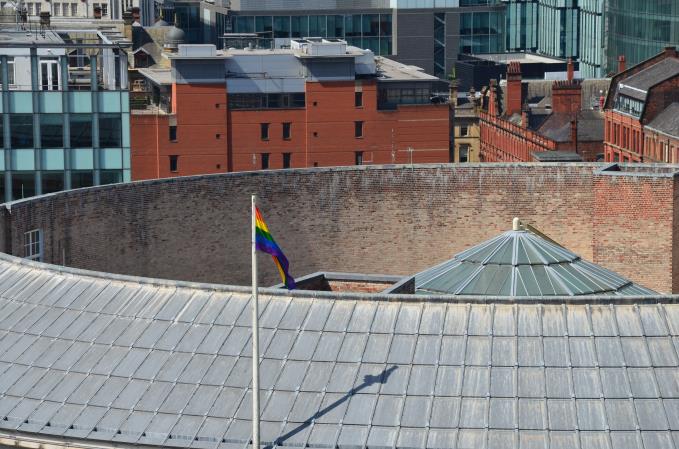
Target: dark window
359,158
265,161
464,153
267,101
82,178
51,131
464,131
21,130
110,131
110,176
358,99
287,130
23,185
264,131
52,181
174,162
81,130
358,129
286,160
173,133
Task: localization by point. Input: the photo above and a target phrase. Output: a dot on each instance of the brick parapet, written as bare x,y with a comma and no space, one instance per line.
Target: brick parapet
394,220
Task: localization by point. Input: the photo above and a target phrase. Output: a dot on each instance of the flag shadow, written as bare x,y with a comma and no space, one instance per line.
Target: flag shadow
368,380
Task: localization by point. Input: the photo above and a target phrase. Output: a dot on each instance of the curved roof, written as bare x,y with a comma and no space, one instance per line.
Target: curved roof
128,361
521,263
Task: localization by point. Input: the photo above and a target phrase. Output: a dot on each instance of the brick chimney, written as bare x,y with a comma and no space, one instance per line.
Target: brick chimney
525,117
492,99
574,134
622,66
570,71
566,97
514,95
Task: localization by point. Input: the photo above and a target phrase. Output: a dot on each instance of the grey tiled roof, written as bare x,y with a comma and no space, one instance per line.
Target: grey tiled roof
667,121
637,85
87,357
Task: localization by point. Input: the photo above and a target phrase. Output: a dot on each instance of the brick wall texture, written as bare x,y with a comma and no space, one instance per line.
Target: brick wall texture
389,220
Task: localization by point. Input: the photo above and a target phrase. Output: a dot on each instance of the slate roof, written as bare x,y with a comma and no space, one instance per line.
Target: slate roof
521,263
132,362
667,122
556,156
637,85
558,126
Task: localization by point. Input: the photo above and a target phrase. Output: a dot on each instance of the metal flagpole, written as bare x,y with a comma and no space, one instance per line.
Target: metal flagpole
255,335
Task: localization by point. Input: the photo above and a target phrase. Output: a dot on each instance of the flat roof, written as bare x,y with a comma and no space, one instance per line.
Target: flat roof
390,70
520,57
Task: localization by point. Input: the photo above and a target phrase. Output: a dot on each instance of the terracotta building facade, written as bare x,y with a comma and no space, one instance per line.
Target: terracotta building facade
260,109
553,128
642,109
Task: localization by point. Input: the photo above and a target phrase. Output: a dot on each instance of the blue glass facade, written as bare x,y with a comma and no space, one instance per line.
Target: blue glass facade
64,121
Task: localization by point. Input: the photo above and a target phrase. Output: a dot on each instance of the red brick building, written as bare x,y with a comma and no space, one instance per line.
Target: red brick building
553,128
641,111
261,109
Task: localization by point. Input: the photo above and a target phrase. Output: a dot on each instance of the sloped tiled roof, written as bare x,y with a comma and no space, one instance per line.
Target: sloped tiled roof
637,85
667,121
521,263
99,359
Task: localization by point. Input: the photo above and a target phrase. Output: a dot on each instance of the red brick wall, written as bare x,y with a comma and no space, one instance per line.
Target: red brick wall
623,138
566,97
503,141
635,224
370,220
322,134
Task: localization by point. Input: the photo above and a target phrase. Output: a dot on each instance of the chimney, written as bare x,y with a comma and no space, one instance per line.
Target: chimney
514,95
127,25
492,99
569,70
452,89
621,64
566,97
574,134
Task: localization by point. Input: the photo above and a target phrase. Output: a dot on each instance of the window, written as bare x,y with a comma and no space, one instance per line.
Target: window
264,131
57,9
359,157
49,74
65,11
10,70
464,153
265,161
37,9
51,131
110,177
174,162
464,131
82,178
29,9
286,130
21,130
110,131
358,99
52,181
173,133
267,101
286,160
74,9
104,9
81,130
33,245
358,129
23,185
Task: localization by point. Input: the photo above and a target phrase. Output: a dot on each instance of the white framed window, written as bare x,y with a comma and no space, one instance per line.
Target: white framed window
74,9
104,9
57,9
37,9
33,245
29,8
65,10
10,71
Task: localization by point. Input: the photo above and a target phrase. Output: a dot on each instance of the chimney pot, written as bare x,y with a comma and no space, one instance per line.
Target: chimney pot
622,66
570,70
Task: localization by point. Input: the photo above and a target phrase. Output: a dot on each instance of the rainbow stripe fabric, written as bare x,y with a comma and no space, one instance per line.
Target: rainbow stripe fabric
265,243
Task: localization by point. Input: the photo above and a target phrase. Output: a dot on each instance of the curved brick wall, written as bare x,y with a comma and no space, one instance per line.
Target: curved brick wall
387,220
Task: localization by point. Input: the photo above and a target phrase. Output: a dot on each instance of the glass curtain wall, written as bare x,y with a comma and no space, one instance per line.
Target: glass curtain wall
371,31
592,51
558,28
640,29
482,32
522,23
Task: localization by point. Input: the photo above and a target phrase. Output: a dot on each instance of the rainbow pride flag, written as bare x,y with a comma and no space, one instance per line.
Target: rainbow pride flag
265,243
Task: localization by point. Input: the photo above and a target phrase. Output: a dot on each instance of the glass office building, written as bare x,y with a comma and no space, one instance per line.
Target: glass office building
64,114
641,29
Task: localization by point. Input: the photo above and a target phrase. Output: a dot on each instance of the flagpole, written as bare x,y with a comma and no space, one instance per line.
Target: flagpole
255,335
